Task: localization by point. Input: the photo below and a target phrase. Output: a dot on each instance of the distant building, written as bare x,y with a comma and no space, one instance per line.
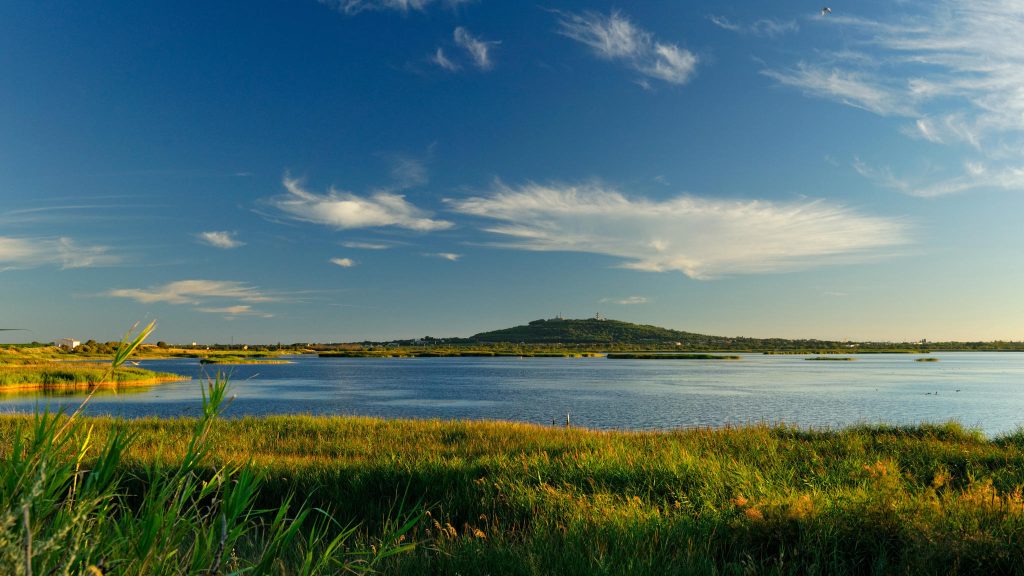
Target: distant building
69,343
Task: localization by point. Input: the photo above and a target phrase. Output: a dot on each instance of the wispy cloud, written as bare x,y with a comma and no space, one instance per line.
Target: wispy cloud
408,172
954,69
343,262
615,37
192,292
366,245
238,310
628,301
345,210
352,7
63,252
768,27
702,238
450,256
441,60
220,239
479,50
851,88
946,179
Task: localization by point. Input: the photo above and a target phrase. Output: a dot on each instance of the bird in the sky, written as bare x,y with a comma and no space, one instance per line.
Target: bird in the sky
826,11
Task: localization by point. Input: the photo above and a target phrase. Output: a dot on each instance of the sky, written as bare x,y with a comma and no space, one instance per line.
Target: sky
341,170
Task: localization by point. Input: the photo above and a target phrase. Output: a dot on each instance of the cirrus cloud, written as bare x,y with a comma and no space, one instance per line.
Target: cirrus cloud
22,252
702,238
615,37
192,292
953,69
344,210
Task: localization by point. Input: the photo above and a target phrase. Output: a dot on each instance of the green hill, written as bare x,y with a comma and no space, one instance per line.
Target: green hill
595,331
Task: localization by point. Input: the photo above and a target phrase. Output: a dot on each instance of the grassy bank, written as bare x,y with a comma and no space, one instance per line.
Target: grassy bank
446,353
657,356
507,498
233,360
61,376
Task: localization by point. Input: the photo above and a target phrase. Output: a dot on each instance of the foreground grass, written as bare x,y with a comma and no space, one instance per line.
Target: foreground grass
70,503
507,498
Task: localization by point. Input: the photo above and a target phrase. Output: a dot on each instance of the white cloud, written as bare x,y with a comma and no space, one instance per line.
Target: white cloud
702,238
192,292
220,239
239,310
628,301
614,37
343,262
441,60
450,256
850,88
955,69
64,252
352,7
768,27
345,210
366,245
942,181
479,50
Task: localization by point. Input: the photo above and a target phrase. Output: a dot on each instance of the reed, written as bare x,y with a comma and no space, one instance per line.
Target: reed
73,502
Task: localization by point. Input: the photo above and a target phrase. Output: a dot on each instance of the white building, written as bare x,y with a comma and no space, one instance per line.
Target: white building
69,343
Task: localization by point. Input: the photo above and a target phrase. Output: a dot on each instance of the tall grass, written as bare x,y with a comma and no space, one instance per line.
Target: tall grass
70,503
507,498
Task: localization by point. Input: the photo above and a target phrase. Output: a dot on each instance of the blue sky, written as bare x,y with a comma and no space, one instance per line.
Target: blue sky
350,169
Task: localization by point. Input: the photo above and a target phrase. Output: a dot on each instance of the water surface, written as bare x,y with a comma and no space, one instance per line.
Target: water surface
980,390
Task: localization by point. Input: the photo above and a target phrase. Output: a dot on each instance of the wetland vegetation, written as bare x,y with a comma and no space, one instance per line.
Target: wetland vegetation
505,498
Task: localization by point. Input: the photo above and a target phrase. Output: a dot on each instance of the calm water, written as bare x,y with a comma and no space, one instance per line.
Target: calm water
981,390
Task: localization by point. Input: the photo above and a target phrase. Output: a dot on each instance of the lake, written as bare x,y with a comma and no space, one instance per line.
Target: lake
982,390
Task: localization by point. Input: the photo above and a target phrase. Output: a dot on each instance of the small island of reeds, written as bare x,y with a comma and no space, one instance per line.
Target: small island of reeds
657,356
832,358
67,376
453,353
232,360
926,360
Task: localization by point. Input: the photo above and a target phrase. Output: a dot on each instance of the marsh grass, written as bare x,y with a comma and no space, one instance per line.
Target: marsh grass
657,356
63,375
233,360
71,502
506,498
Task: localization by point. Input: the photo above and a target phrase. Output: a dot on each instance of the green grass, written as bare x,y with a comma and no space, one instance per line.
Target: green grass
452,353
655,356
66,375
507,498
73,502
230,360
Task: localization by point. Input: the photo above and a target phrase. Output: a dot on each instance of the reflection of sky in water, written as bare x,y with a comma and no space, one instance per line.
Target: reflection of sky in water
601,393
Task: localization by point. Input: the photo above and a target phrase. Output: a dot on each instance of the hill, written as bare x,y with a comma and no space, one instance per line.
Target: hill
602,331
